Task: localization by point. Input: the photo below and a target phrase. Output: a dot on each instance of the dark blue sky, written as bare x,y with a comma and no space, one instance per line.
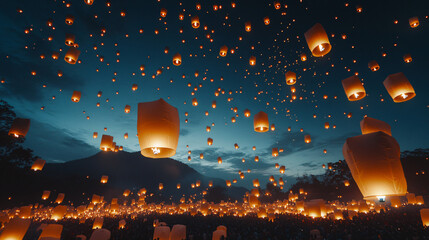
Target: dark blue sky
61,132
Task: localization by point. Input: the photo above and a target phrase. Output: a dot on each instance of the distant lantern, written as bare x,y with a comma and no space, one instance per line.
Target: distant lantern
158,128
106,143
38,164
346,183
76,96
282,169
127,109
89,2
177,59
277,5
307,139
15,229
375,164
256,183
228,183
19,128
72,55
247,113
163,12
266,20
98,223
161,186
303,57
126,192
273,127
290,78
195,21
399,88
219,160
252,61
371,125
373,65
70,38
260,122
326,125
424,214
201,155
178,186
318,40
209,141
125,135
69,20
104,179
214,104
353,88
134,87
256,159
274,152
407,58
223,51
46,194
194,102
210,183
414,22
60,198
248,26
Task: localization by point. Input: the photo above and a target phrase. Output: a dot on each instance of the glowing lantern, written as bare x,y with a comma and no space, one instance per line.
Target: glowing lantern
326,125
19,128
219,160
274,152
248,26
76,96
106,142
125,135
266,20
163,12
195,21
414,22
371,125
104,179
46,194
194,102
260,122
69,20
161,233
178,186
247,113
318,40
95,135
420,200
161,186
424,213
399,88
122,224
134,87
353,88
374,161
178,232
210,183
223,51
214,104
303,57
70,38
127,109
51,231
158,128
252,61
60,198
209,141
38,165
126,192
346,183
177,59
290,78
72,55
277,5
89,2
282,169
395,201
98,223
373,65
15,229
256,159
256,183
228,183
407,58
307,139
411,198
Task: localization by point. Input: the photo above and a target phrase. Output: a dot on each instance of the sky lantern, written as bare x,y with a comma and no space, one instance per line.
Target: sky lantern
256,183
247,26
374,161
256,158
346,183
15,229
247,113
277,5
407,58
353,88
318,40
214,104
134,87
326,125
106,142
19,127
303,57
371,125
69,20
46,194
274,152
399,88
178,186
125,135
160,186
260,122
424,214
177,59
163,12
273,127
252,61
158,128
290,78
71,56
38,164
127,109
414,22
195,22
209,141
219,160
282,169
104,179
76,96
60,198
70,38
266,20
223,51
228,183
126,192
89,2
373,65
307,139
194,102
98,223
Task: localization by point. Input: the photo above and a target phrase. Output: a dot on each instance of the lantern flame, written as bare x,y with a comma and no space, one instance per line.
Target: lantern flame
321,48
404,96
156,150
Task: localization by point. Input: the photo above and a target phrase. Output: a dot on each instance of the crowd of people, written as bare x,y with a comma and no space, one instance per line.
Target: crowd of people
403,223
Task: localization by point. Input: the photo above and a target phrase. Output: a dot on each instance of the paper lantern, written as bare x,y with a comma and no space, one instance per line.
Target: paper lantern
399,88
177,59
134,87
219,160
353,88
318,40
260,122
395,201
256,183
373,65
194,102
414,22
163,12
160,186
274,152
266,20
70,38
307,139
195,21
424,214
104,179
282,169
60,198
19,127
72,55
125,135
228,183
100,234
248,26
290,78
223,51
15,229
374,161
58,212
247,113
210,183
303,57
76,96
51,231
95,135
69,20
252,61
407,58
209,141
178,232
371,125
46,194
420,200
158,128
106,143
98,223
89,2
38,164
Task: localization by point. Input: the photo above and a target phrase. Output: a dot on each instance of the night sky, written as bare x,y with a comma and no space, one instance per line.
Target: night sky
61,131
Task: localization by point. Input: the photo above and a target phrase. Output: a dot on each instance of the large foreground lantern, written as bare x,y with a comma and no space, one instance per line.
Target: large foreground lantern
15,229
399,88
370,125
72,55
20,127
158,128
318,40
374,161
106,143
353,88
38,164
260,122
424,213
